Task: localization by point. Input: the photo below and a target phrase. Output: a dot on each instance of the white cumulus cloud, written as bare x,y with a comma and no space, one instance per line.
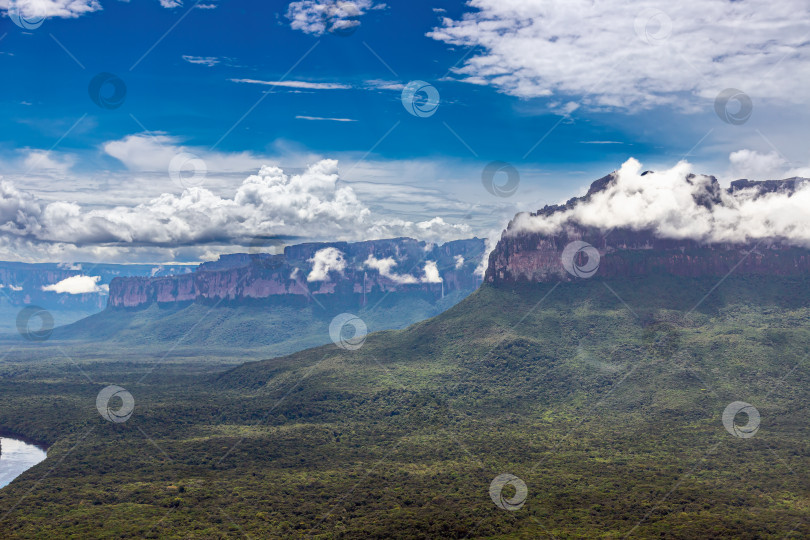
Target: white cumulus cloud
386,265
324,261
77,285
14,288
46,9
754,165
154,152
320,16
431,273
313,204
40,161
751,164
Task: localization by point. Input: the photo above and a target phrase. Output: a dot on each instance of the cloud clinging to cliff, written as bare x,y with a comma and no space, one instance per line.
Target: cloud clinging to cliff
386,265
675,205
324,261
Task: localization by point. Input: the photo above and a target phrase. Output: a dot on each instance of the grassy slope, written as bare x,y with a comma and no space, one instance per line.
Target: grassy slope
609,412
269,328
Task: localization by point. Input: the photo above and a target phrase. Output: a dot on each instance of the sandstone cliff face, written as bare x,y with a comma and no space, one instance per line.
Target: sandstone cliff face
625,253
242,277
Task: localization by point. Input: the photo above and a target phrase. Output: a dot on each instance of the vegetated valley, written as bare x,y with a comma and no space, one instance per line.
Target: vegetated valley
604,397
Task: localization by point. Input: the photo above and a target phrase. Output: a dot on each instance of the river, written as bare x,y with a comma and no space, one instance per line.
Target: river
16,457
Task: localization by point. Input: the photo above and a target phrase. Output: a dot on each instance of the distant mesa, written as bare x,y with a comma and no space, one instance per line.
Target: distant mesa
335,272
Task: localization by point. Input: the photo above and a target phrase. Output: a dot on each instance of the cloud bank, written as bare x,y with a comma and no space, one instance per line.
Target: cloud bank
633,55
676,204
312,204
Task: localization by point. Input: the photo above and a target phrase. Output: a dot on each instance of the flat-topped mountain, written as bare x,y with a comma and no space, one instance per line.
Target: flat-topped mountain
354,272
691,229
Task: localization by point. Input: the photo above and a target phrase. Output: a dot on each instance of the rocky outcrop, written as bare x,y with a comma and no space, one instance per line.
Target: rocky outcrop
246,277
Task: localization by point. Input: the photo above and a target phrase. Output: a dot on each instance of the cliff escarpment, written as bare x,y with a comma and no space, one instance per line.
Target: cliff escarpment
339,270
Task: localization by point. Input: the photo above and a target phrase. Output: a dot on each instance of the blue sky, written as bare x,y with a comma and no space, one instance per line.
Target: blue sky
200,103
563,92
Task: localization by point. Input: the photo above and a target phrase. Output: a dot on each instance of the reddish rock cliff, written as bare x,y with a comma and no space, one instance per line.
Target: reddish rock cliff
624,253
242,277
